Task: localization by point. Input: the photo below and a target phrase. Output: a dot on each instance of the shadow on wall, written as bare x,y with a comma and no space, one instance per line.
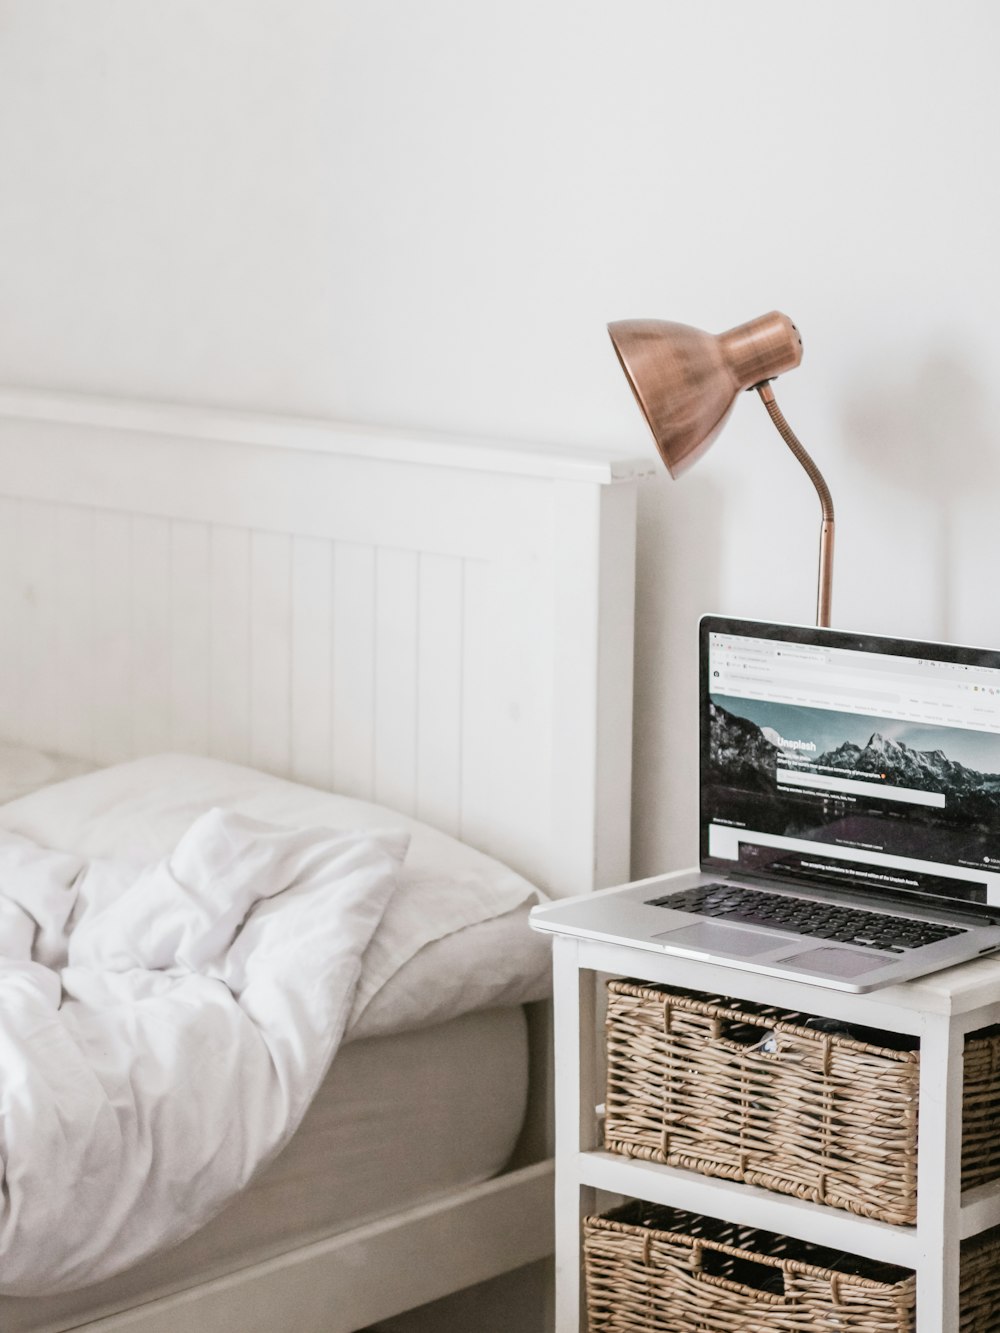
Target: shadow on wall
677,580
926,432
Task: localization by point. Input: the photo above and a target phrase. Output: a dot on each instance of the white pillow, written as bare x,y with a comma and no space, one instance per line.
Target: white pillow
455,936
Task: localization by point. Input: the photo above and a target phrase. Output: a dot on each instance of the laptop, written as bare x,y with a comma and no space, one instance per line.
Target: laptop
849,813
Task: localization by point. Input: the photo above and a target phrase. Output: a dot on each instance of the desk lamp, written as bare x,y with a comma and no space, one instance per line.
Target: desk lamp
686,383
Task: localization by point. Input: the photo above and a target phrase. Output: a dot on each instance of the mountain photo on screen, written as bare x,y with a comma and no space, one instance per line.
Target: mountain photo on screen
835,777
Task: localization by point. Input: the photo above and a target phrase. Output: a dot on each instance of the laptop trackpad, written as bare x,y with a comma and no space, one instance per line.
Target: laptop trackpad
836,962
714,937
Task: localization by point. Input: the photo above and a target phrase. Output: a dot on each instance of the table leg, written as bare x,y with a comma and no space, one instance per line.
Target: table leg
574,1002
939,1167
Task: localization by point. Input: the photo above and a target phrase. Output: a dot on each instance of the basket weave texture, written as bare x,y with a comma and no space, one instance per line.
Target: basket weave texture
979,1284
756,1094
748,1092
660,1270
981,1110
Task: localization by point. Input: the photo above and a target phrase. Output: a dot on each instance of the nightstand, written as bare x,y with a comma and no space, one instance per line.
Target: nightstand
940,1010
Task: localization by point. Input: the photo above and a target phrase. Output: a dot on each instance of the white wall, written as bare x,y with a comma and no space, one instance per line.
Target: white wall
425,213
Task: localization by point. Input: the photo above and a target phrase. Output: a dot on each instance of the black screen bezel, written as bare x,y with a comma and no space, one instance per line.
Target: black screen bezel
819,636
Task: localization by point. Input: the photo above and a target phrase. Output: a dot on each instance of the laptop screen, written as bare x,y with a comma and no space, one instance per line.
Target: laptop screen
871,764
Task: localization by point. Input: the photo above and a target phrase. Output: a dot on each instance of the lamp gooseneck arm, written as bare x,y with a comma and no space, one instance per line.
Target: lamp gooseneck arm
825,588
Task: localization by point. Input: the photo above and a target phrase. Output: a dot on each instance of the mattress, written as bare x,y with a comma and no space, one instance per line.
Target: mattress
457,1089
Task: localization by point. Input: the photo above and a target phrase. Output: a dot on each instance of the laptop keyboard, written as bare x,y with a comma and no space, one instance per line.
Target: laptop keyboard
826,921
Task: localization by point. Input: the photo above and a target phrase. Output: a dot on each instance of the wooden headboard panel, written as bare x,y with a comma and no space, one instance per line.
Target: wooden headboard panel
444,627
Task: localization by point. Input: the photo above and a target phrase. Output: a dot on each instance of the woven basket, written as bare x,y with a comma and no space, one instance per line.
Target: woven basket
661,1270
740,1090
979,1298
981,1109
756,1094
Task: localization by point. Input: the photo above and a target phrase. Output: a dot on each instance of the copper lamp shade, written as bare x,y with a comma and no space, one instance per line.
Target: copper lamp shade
686,383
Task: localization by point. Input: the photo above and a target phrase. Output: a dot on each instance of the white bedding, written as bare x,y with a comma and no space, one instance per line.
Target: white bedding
451,939
163,1032
461,916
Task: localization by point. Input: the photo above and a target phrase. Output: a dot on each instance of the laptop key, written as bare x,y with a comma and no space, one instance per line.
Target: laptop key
776,911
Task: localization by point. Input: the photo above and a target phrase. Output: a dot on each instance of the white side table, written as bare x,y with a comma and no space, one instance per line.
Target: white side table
939,1009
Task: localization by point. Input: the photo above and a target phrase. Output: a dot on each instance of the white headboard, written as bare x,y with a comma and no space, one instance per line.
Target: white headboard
444,627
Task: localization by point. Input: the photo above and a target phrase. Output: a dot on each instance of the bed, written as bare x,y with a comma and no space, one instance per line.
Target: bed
249,609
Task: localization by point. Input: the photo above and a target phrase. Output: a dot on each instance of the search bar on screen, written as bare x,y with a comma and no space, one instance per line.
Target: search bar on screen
790,777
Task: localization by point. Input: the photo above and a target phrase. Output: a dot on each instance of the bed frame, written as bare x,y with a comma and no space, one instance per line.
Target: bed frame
442,626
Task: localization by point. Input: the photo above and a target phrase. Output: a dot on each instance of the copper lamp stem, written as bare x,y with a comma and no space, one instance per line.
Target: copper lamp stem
825,590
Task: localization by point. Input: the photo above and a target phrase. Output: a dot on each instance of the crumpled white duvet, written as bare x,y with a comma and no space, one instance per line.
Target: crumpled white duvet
163,1029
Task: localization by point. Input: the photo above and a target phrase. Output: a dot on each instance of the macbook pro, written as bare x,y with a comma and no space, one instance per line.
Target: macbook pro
849,797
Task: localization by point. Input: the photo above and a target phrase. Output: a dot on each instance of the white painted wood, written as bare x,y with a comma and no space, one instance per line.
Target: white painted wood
612,702
509,659
113,677
575,611
576,1096
442,625
506,717
354,670
230,654
190,636
312,661
593,735
959,990
11,601
151,630
270,662
481,746
368,442
371,1273
396,685
980,1210
938,1009
39,624
939,1177
873,1010
750,1206
439,692
397,505
75,657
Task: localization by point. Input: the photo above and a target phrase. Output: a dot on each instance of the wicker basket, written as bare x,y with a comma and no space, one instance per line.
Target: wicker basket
661,1270
979,1297
981,1109
756,1094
